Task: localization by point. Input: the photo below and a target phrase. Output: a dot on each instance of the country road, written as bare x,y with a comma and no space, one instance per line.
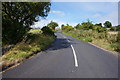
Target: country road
68,58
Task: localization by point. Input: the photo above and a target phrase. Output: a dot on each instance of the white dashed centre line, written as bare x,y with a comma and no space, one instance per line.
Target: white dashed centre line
74,53
75,57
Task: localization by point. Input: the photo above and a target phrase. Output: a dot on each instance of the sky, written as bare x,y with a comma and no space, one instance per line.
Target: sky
73,13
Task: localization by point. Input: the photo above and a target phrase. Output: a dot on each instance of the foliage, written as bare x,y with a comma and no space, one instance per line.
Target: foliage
108,24
102,39
100,24
17,17
47,31
67,28
89,26
78,26
118,28
52,25
118,37
115,28
116,46
86,25
99,28
62,25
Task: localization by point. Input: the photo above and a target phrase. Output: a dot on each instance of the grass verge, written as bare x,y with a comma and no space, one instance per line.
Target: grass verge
32,43
104,40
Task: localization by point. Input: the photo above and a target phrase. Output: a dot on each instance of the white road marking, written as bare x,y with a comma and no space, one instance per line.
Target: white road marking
68,40
64,37
75,57
74,53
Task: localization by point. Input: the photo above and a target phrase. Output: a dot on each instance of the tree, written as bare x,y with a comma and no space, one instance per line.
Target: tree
62,25
87,25
108,24
52,25
100,24
77,26
67,28
67,24
17,17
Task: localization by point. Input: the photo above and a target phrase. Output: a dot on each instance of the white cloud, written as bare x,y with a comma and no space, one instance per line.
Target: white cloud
60,13
40,23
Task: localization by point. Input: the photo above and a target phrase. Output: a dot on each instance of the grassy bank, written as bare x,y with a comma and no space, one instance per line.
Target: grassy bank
32,43
103,39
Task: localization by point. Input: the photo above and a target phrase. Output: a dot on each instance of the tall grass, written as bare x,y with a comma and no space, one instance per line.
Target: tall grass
33,42
102,39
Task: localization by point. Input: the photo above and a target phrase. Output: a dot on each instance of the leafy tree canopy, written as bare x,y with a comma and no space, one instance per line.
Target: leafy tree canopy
108,24
99,24
87,25
17,17
67,28
77,26
52,25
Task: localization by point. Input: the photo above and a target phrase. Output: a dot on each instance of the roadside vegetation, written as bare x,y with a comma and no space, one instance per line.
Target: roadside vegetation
19,40
107,37
34,41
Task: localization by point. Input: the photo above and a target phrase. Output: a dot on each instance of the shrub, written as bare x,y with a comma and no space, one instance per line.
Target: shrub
88,39
87,25
14,33
118,37
47,31
113,28
67,28
116,47
118,28
112,38
99,29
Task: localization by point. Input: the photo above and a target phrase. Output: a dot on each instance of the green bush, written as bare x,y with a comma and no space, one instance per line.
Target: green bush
112,38
14,33
116,46
47,31
87,39
118,28
118,37
107,41
67,28
99,29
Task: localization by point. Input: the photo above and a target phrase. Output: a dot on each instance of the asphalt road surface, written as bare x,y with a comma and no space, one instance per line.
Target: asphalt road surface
68,58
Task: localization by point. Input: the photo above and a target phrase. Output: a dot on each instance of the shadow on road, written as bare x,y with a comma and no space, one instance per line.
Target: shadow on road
59,43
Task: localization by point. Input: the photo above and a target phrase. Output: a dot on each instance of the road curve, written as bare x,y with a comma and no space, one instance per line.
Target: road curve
58,62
